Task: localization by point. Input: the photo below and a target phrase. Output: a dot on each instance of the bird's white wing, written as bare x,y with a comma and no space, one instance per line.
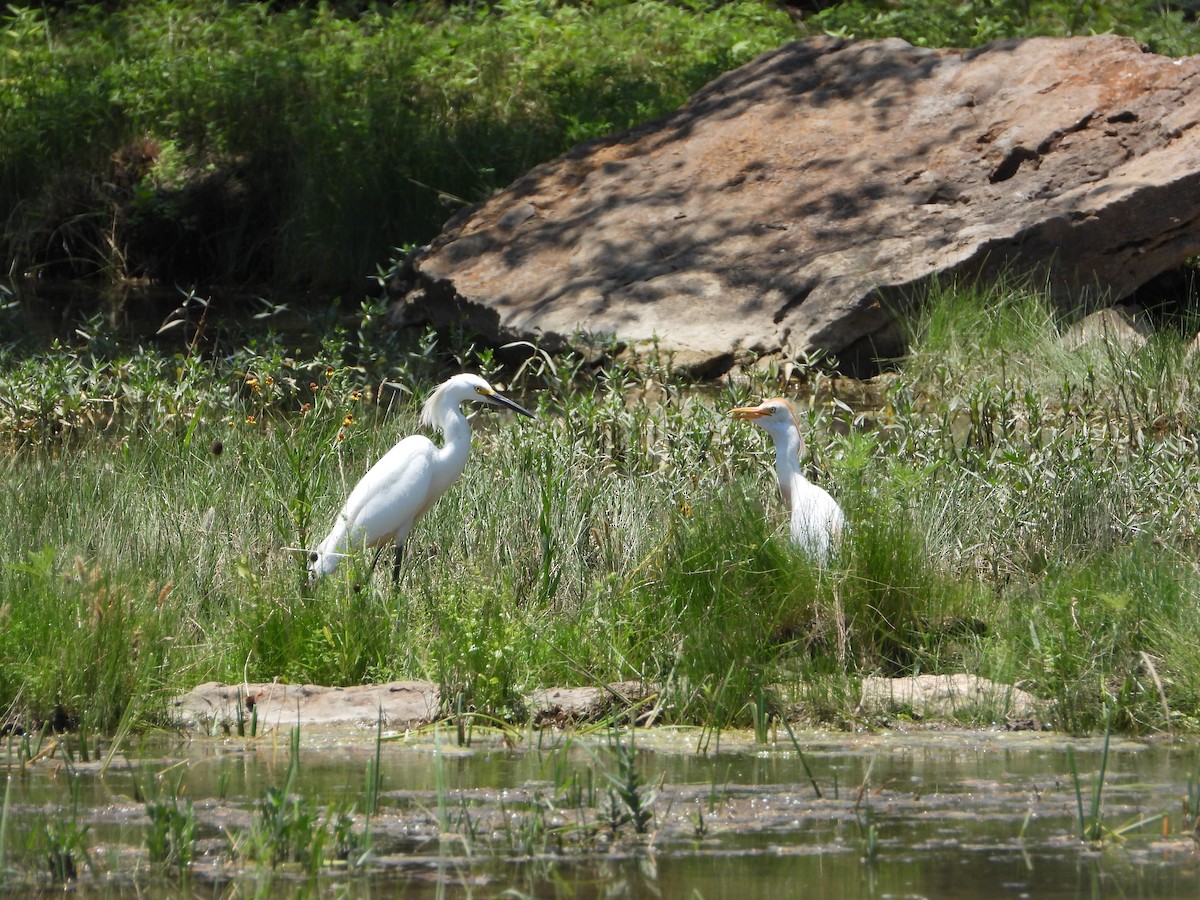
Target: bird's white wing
392,495
817,520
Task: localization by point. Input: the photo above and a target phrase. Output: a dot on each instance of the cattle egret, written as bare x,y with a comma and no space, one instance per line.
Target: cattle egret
816,519
401,487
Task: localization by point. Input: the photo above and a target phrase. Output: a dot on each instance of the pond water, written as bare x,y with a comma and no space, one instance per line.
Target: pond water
676,814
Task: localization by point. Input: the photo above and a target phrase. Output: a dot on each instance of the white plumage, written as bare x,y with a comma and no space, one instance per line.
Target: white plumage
817,521
401,487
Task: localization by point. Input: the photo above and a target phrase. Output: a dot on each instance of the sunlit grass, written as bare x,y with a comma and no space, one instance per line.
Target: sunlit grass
1029,527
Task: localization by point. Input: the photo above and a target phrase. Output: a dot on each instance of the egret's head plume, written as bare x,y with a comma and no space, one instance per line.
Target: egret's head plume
452,393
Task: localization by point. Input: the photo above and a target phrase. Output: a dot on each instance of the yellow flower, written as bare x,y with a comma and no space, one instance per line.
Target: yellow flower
253,384
251,420
269,380
356,396
341,435
348,421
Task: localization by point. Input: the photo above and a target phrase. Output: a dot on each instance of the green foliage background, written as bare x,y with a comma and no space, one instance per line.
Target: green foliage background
344,134
201,141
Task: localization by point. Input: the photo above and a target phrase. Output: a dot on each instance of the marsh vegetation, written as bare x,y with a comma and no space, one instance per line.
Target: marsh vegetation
1021,505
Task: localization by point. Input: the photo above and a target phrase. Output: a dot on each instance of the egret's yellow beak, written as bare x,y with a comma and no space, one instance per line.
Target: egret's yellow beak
748,412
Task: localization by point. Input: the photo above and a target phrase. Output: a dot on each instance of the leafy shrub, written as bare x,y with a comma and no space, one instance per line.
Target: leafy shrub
212,141
945,23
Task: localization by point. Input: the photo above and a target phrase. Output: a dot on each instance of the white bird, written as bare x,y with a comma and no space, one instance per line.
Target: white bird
817,520
404,484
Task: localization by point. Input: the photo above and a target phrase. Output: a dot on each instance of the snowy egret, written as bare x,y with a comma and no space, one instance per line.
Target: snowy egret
401,487
817,520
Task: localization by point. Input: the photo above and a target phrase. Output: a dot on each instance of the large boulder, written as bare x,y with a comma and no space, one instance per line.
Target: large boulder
791,205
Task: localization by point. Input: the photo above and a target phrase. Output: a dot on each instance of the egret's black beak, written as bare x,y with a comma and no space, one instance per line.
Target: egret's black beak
501,400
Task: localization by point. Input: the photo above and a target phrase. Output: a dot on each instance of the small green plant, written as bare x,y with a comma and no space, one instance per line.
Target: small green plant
1191,805
868,834
374,777
61,839
1091,824
171,834
291,829
4,820
64,848
864,818
630,801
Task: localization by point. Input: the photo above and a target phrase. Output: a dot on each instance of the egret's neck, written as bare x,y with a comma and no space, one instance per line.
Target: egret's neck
787,463
456,446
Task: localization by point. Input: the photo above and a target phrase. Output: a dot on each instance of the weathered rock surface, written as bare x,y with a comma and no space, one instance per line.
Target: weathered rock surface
565,706
1115,326
948,697
791,203
215,708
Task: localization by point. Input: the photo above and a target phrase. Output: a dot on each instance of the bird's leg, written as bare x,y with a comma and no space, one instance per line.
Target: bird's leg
396,564
375,559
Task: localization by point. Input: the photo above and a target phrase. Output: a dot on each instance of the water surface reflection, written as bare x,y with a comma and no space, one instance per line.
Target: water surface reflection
924,814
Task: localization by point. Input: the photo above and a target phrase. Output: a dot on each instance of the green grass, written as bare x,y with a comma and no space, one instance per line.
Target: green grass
1008,516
